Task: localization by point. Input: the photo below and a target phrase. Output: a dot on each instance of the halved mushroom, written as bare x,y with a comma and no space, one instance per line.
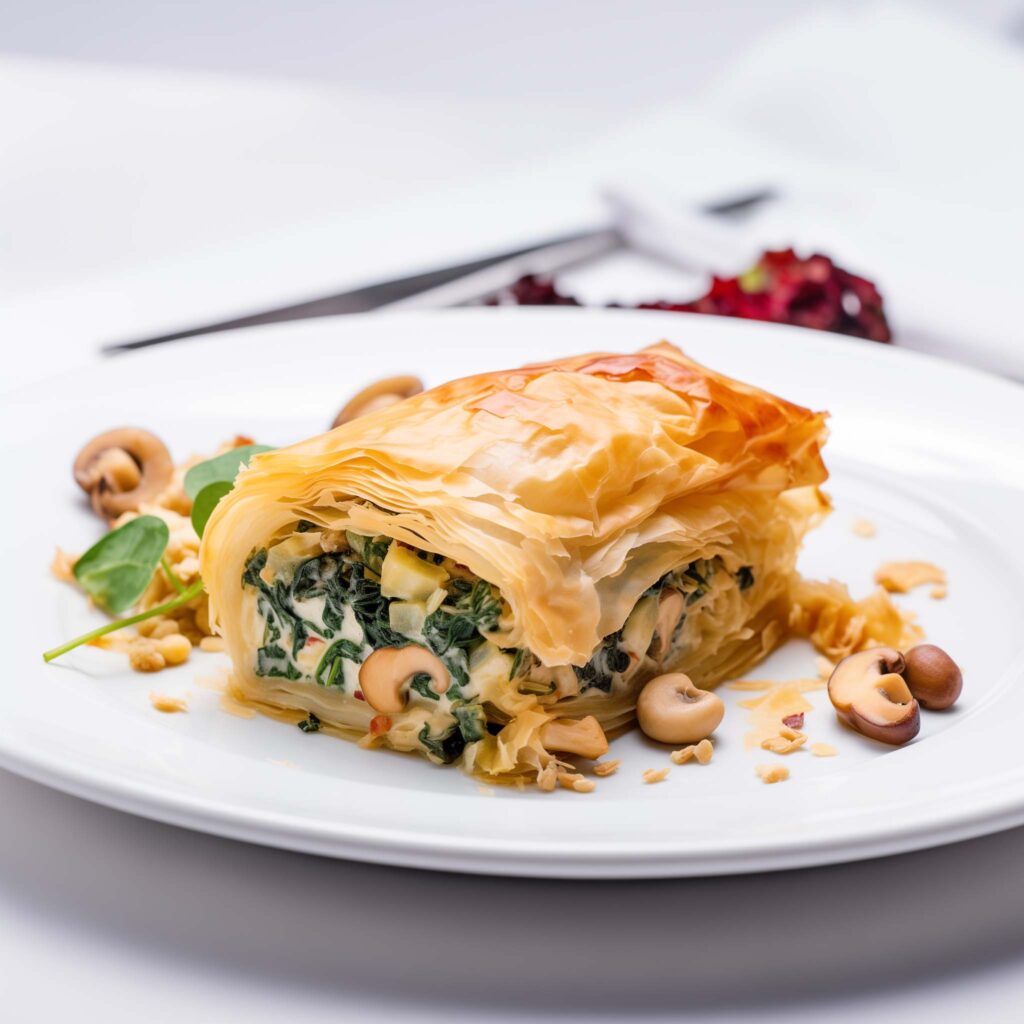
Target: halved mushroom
869,693
120,469
385,675
933,676
583,736
670,709
378,396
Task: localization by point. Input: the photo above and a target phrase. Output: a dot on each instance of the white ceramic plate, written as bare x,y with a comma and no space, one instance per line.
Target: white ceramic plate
929,451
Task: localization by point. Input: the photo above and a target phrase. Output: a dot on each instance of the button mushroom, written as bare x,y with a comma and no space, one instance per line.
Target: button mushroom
378,396
671,709
386,673
120,469
869,693
933,677
583,736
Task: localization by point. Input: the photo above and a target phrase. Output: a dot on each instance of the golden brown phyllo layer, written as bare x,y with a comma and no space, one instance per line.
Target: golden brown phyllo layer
537,542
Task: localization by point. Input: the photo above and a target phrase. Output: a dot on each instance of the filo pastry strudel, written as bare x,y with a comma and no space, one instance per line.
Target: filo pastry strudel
492,569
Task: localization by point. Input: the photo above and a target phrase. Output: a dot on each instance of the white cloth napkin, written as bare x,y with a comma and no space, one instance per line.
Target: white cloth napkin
892,136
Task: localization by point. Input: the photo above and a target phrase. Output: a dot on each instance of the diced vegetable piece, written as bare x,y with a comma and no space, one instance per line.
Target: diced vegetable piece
407,617
638,631
406,576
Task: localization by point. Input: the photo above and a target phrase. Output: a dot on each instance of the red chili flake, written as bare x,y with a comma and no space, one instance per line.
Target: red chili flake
379,724
794,721
241,441
359,695
313,641
781,287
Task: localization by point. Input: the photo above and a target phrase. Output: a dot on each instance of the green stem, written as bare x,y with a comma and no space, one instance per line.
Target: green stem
169,573
193,590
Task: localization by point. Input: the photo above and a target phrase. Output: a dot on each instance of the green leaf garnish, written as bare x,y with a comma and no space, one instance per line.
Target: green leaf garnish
118,567
220,469
206,501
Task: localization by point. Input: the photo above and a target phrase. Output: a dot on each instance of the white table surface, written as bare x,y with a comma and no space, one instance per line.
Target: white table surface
108,917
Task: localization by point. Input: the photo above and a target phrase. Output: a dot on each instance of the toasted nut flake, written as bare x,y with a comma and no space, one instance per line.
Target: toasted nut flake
175,648
163,628
584,785
169,705
144,657
684,755
786,742
63,566
863,528
823,750
704,751
568,780
213,644
146,627
899,577
653,775
604,768
770,773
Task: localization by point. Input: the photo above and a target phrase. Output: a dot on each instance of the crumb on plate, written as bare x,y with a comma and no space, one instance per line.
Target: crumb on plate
864,528
169,705
771,773
823,750
653,775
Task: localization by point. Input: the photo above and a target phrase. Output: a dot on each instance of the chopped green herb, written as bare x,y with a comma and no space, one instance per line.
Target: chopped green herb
445,748
421,684
329,671
310,723
471,720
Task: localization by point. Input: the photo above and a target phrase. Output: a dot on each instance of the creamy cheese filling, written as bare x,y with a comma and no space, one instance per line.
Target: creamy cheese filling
318,604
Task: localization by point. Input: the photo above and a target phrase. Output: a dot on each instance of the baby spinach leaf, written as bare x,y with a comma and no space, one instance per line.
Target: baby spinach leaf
221,468
206,501
118,567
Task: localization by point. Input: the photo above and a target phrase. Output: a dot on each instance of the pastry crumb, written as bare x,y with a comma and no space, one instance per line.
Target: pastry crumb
823,750
751,684
900,577
653,775
704,752
485,790
63,566
683,755
169,705
864,528
605,768
938,593
771,773
584,786
547,778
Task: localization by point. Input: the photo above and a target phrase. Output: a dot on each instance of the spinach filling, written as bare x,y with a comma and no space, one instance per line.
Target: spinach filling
347,583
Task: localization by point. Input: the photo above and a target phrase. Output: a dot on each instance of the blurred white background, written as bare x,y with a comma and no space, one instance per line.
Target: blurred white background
154,154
